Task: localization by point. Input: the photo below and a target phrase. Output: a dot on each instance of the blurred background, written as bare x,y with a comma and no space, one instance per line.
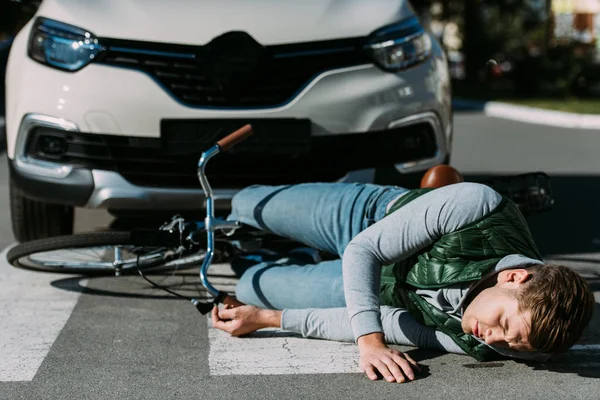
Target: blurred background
545,51
552,45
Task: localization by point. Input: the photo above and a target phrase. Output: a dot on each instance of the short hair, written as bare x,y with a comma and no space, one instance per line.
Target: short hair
561,304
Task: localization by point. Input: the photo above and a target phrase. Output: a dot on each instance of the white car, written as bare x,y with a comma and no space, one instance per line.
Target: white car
109,102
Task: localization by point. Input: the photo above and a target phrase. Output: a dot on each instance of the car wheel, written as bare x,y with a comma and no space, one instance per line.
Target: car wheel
32,219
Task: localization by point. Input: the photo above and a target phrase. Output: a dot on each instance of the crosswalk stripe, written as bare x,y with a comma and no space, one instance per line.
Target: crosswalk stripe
273,351
32,313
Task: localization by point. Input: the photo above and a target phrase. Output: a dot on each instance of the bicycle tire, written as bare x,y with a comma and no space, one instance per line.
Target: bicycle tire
21,255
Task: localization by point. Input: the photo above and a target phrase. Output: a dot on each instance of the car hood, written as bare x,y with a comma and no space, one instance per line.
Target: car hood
198,22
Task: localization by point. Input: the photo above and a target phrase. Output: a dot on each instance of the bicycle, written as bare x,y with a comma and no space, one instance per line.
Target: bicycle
177,243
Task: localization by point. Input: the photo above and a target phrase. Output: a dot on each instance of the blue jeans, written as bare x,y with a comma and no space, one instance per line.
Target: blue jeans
325,216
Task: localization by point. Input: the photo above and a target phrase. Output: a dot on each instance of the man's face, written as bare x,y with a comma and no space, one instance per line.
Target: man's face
494,316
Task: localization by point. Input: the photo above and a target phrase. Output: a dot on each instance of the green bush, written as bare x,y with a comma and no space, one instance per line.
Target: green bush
560,73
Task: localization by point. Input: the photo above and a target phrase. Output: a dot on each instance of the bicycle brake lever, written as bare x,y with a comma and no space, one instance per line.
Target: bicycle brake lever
203,308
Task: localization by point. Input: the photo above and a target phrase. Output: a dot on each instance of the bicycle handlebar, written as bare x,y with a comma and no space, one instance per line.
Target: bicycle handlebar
236,137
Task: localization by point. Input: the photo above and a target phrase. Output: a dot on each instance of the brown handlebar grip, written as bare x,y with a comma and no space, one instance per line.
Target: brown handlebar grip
236,137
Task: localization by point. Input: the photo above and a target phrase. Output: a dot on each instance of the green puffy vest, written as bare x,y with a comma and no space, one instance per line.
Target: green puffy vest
465,255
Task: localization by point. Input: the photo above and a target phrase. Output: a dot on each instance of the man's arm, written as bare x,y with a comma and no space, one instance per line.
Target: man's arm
401,234
399,326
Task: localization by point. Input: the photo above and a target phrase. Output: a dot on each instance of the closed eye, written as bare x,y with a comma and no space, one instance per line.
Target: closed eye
504,326
512,340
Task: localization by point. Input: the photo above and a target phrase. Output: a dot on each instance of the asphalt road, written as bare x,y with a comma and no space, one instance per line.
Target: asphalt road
122,340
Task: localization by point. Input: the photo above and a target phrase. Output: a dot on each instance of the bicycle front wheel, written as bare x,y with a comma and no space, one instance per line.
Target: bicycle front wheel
96,253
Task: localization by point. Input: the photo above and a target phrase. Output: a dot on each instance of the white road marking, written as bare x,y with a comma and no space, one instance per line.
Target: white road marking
32,313
532,115
541,116
273,351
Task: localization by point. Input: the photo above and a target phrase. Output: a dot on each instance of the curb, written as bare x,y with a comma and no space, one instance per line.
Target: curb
531,115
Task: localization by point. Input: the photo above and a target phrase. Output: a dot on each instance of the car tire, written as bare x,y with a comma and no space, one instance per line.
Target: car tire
33,219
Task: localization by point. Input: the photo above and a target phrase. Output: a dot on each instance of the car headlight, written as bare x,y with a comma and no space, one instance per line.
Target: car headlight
399,46
62,46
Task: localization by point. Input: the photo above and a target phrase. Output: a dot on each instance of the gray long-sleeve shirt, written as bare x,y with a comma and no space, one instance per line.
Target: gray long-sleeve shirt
394,238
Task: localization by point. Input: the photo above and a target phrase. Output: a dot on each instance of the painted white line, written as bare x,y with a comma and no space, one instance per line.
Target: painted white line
543,117
532,115
32,313
584,347
273,351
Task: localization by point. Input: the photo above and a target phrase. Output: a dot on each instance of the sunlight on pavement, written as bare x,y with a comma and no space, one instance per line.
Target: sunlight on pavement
33,313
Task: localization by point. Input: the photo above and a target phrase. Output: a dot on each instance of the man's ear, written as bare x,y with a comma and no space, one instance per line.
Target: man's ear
513,278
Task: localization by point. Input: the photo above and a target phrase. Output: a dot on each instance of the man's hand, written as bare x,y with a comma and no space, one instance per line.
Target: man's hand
375,356
244,319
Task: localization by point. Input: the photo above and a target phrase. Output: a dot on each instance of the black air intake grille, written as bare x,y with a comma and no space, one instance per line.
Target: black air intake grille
151,162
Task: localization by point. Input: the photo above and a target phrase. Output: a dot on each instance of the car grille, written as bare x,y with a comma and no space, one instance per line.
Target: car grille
232,73
148,162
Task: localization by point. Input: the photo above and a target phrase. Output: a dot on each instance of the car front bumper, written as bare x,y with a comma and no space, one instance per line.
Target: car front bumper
127,103
97,188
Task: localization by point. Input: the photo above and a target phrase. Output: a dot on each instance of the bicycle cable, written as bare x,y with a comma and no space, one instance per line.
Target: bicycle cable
137,266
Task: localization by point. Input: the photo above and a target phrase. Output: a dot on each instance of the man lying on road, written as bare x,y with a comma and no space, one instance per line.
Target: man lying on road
453,268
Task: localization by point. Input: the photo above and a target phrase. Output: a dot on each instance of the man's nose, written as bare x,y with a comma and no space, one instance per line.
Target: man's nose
493,336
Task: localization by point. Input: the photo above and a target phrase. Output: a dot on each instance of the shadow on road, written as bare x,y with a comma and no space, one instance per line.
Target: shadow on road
76,285
571,226
584,364
184,283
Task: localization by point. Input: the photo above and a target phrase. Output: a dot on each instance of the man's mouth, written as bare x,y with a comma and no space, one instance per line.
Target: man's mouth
476,329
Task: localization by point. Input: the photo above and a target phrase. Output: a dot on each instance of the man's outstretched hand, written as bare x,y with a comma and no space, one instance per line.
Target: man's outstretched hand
375,357
244,319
